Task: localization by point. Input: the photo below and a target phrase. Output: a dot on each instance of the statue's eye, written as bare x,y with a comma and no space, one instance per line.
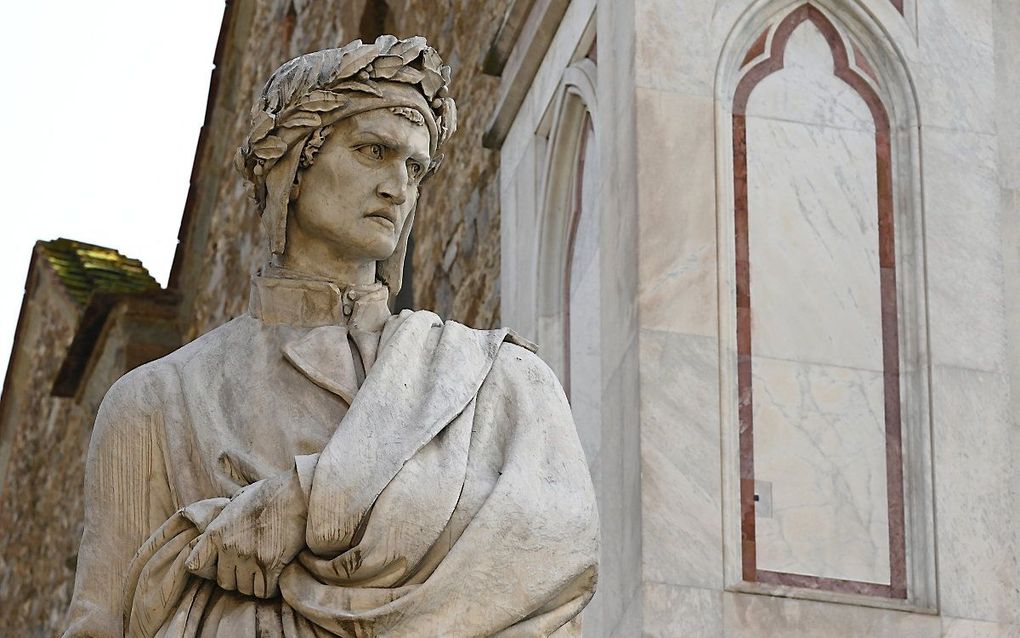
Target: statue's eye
414,169
375,151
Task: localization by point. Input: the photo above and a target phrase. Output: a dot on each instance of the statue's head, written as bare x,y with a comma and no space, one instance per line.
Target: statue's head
341,139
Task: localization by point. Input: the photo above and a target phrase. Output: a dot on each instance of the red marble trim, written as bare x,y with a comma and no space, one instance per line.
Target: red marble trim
826,584
758,48
898,4
862,63
575,220
897,588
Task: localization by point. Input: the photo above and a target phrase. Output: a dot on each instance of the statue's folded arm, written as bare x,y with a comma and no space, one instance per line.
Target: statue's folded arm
516,554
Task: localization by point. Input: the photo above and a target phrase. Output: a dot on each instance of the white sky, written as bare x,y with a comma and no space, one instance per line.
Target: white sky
101,108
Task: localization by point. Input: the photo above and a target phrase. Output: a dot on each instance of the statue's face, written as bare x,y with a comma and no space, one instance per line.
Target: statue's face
357,194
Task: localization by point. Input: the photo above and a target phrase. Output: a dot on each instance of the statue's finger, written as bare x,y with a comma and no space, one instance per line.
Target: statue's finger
273,581
244,576
226,572
260,584
202,559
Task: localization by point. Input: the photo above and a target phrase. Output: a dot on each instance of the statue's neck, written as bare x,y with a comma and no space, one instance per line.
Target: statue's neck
338,279
326,268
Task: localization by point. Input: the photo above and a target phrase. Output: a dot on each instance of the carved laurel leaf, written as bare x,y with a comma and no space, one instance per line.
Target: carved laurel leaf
322,101
269,148
409,49
309,75
356,61
363,87
351,46
386,66
431,60
273,101
385,43
431,82
261,124
407,74
302,118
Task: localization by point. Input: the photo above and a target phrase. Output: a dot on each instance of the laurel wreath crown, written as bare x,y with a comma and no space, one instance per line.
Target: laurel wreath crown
305,88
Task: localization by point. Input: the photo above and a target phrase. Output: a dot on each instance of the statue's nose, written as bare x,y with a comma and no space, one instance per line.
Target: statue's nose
394,189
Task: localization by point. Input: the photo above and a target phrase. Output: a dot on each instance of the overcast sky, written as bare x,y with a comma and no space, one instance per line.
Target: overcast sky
101,109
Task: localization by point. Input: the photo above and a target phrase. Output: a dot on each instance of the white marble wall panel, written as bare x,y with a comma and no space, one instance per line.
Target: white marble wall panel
813,237
962,628
1007,51
672,611
965,267
619,499
975,487
957,82
670,55
752,616
630,622
813,219
676,176
680,459
819,441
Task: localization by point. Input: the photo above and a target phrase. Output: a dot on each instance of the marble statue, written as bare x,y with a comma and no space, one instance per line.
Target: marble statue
319,466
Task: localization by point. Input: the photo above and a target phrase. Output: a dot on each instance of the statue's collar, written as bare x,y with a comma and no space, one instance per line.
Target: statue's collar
280,296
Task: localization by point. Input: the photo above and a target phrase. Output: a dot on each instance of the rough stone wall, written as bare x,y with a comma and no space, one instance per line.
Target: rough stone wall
456,251
456,239
41,505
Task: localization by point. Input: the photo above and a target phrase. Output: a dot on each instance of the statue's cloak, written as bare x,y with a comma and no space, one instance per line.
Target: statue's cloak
448,495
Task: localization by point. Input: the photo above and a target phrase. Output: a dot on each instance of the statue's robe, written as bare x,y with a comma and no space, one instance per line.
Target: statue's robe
447,495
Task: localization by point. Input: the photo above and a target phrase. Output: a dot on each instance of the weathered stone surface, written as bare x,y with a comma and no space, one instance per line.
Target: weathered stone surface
43,440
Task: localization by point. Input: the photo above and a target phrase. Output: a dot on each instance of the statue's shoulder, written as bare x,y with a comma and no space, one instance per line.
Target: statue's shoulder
149,386
516,356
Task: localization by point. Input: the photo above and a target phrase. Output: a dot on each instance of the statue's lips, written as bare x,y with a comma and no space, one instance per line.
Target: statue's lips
387,218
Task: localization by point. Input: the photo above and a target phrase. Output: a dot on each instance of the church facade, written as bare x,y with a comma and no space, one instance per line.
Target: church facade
768,246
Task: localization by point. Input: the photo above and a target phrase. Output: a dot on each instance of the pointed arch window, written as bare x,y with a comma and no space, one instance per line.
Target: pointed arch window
818,381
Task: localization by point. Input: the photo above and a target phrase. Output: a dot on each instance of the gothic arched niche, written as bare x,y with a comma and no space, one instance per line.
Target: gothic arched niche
569,252
820,391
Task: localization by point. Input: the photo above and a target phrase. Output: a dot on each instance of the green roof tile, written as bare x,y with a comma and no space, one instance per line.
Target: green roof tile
86,268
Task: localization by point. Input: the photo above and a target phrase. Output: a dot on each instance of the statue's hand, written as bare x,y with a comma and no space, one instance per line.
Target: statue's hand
256,535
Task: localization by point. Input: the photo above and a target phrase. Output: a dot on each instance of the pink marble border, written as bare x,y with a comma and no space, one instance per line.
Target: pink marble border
890,330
